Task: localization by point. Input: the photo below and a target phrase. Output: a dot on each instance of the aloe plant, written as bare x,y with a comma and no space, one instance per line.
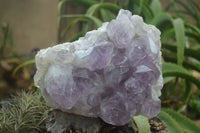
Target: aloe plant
142,124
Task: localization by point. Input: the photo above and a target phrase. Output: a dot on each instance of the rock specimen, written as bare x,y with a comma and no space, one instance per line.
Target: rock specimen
113,72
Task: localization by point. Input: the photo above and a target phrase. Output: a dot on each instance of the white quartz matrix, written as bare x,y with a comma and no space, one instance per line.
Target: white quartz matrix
113,72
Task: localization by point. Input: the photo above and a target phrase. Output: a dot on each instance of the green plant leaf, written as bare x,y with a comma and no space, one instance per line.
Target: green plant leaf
75,37
194,105
188,6
172,125
169,69
186,124
176,8
142,2
162,17
147,14
85,3
156,7
188,51
187,64
167,34
111,7
142,124
107,15
93,19
71,24
168,79
187,95
29,62
192,27
192,35
180,39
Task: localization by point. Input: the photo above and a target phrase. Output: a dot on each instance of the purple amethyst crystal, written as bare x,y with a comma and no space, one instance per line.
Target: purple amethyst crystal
113,72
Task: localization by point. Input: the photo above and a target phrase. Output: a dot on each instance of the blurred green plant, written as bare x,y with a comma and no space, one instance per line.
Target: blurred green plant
175,122
26,63
27,113
179,24
194,106
6,39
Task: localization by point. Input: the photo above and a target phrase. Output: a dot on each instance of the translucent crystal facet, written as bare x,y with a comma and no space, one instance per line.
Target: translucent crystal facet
113,72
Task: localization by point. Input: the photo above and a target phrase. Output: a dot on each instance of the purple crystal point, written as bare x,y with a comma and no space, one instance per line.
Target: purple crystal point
121,31
114,110
61,86
113,72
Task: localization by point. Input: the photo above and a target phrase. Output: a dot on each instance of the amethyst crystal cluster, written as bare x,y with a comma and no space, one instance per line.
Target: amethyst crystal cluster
113,72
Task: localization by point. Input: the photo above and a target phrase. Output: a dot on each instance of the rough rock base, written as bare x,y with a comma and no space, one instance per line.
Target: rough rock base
62,122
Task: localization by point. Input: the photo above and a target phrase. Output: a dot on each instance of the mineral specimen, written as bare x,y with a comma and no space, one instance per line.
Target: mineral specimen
113,72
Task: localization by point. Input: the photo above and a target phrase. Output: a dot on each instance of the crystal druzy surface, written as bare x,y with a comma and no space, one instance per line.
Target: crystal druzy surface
113,72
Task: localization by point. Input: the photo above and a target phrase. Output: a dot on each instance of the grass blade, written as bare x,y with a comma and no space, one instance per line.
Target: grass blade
72,24
172,125
111,7
176,9
168,34
187,64
142,124
141,6
107,15
85,3
93,19
147,13
191,9
29,62
187,95
192,35
188,51
168,79
180,39
75,37
156,7
186,124
169,69
192,27
162,17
